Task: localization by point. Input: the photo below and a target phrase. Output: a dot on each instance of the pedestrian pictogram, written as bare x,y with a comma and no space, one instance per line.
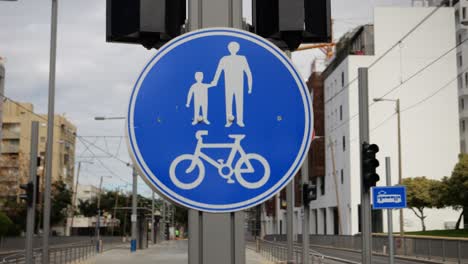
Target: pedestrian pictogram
219,120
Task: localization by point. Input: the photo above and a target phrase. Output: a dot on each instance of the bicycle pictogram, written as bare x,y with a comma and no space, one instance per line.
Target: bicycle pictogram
242,169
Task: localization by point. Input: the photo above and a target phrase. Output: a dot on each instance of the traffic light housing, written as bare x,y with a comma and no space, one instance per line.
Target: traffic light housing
288,23
369,165
28,193
309,193
150,23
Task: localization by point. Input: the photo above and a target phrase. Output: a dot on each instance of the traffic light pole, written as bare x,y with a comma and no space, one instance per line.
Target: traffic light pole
206,246
366,218
32,207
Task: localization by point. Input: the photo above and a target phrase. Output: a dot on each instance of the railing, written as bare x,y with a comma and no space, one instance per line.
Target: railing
57,255
427,248
277,253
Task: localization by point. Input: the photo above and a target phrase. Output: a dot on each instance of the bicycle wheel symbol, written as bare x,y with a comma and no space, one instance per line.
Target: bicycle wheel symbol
194,163
247,162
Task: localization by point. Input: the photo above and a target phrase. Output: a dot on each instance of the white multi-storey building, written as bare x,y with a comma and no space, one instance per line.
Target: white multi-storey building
427,89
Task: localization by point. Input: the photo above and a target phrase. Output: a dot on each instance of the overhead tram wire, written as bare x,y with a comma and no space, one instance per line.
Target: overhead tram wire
445,86
405,81
411,31
104,166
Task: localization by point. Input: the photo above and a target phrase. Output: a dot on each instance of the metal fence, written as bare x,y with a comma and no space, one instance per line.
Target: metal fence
430,248
57,255
276,252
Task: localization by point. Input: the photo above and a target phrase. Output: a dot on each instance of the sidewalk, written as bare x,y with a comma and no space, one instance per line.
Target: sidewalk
169,252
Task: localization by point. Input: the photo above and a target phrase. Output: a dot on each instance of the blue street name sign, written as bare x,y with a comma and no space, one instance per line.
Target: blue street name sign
219,120
393,197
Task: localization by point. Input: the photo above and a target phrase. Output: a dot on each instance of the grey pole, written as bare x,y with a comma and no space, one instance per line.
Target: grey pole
366,218
206,246
400,176
133,243
32,178
2,90
305,221
98,219
153,234
290,212
50,133
391,253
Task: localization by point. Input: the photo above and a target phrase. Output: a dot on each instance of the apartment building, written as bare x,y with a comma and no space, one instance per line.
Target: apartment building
15,148
429,114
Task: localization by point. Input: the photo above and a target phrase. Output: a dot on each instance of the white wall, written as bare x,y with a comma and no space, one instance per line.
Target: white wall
430,131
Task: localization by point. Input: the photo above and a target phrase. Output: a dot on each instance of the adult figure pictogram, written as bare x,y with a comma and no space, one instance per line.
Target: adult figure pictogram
234,67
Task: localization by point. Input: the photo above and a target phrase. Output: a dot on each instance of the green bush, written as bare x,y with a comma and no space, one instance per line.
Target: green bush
6,225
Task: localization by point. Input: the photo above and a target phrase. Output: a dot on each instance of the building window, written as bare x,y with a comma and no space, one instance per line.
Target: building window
460,60
459,39
466,78
460,82
464,12
322,185
344,143
341,112
342,79
42,139
463,125
462,104
342,176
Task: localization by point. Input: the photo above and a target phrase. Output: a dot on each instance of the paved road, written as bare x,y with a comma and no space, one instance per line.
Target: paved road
169,252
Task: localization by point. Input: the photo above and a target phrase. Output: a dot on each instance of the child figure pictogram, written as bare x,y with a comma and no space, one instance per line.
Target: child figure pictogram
199,92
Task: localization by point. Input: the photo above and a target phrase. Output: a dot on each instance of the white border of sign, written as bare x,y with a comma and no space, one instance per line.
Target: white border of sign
163,190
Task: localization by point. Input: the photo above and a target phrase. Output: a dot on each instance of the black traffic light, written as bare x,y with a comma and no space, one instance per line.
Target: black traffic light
309,193
369,165
150,23
28,194
288,23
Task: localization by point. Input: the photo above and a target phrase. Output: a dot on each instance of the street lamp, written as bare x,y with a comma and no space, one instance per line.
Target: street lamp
400,177
134,194
102,118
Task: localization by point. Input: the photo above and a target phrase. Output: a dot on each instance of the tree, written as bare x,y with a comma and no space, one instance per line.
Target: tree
453,190
420,196
61,200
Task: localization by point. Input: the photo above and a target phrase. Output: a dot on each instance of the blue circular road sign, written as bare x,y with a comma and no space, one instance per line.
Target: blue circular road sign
219,120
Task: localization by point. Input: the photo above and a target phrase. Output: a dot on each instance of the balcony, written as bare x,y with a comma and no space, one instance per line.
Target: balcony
8,134
9,148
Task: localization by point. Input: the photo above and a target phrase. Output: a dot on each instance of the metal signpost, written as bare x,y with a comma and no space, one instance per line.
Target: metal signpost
390,197
243,151
366,222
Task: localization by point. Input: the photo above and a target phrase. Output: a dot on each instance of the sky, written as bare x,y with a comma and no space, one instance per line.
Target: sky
95,78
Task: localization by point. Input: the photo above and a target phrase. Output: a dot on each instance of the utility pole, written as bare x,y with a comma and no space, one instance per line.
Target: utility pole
2,90
391,253
50,132
32,207
305,221
366,217
115,208
400,175
153,234
75,194
337,192
133,242
98,220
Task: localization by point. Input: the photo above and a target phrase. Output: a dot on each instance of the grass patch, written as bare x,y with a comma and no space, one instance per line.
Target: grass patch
442,233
